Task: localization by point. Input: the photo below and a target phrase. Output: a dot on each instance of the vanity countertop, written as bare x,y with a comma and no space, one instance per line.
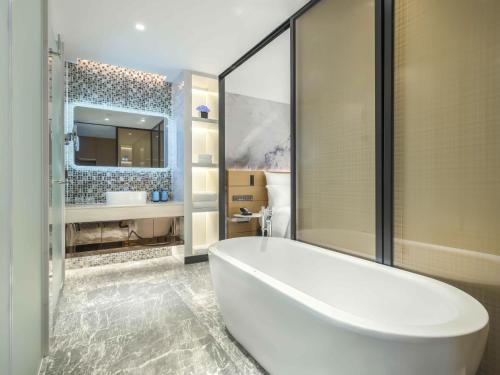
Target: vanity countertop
84,213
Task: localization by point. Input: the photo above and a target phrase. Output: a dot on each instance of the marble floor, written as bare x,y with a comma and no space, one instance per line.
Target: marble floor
156,316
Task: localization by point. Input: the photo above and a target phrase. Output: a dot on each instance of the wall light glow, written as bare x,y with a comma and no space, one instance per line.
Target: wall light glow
204,92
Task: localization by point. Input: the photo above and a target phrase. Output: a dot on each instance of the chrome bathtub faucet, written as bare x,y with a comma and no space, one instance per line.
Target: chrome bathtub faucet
267,225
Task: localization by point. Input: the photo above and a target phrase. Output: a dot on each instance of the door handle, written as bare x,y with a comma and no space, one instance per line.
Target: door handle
60,182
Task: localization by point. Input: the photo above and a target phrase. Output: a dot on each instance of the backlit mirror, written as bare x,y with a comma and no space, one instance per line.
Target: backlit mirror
119,139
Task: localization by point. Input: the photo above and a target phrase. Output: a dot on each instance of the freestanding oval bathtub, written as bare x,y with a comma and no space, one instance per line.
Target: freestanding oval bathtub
300,309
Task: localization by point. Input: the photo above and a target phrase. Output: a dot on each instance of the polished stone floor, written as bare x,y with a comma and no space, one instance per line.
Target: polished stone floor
155,316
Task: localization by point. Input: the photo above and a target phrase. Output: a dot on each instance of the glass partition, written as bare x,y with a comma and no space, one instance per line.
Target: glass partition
447,149
335,130
56,179
257,143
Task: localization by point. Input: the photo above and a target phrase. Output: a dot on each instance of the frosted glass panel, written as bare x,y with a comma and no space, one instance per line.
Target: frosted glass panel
447,148
57,189
336,126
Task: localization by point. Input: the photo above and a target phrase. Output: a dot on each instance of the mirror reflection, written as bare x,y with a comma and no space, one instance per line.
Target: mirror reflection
119,139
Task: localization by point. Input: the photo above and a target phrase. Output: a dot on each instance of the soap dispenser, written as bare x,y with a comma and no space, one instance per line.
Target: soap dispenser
164,196
155,196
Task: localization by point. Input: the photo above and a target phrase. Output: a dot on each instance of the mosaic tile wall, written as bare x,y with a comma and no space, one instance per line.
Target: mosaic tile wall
102,84
96,83
90,185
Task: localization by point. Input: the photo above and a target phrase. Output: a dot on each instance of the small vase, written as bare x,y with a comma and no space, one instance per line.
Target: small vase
204,114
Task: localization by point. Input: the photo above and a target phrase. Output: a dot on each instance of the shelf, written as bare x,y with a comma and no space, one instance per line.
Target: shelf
202,85
203,226
205,165
201,119
198,210
205,125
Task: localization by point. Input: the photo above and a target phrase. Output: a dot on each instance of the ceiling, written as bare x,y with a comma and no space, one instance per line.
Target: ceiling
200,35
266,75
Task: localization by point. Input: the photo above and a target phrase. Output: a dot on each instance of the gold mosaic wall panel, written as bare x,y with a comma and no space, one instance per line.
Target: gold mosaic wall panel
447,148
336,126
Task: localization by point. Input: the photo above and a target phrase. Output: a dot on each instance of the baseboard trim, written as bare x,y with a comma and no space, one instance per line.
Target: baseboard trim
196,259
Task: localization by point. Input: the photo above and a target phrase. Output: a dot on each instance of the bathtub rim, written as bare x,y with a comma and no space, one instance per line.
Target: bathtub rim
353,322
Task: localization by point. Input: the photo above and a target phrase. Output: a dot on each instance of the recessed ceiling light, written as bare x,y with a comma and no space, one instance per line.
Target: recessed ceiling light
130,133
140,26
106,119
143,120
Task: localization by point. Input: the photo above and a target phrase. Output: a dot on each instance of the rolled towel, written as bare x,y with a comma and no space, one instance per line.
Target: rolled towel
204,197
205,158
201,205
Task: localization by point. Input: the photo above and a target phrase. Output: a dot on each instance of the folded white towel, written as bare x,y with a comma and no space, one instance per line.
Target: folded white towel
205,158
204,197
205,204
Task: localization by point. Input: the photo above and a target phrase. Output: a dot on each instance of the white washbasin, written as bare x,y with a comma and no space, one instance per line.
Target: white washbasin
126,197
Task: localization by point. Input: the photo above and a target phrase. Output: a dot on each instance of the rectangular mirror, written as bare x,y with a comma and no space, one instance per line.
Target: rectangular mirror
119,139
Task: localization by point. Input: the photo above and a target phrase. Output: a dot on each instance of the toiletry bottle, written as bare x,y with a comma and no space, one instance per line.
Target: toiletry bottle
164,195
155,196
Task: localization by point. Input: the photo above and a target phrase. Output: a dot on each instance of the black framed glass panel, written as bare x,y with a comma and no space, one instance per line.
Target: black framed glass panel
335,126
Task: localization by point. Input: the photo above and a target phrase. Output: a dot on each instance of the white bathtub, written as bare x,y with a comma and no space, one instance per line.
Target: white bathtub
299,309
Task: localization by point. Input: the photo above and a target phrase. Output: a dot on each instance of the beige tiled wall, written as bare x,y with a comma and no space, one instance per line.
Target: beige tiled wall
447,148
336,126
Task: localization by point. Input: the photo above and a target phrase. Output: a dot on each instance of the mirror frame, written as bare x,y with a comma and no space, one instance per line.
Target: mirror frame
69,145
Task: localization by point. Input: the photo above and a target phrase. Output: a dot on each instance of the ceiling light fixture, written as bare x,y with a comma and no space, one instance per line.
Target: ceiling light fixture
140,26
106,119
143,120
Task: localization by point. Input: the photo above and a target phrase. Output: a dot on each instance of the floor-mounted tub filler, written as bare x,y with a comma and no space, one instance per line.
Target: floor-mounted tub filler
300,309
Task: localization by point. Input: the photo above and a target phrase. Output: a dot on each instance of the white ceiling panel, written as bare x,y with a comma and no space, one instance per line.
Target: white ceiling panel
201,35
